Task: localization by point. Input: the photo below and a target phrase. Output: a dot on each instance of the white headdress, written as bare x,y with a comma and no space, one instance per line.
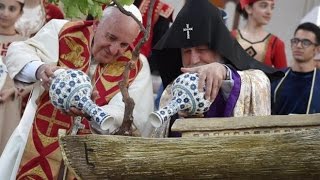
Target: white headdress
131,8
134,10
32,19
314,17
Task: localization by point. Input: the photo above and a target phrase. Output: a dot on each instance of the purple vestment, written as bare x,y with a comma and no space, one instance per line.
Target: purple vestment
224,108
221,107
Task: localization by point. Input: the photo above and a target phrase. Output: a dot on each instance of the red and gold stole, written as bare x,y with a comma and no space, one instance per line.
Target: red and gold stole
42,157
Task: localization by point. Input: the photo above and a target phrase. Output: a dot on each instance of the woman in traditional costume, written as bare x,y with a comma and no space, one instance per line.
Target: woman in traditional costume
260,44
10,12
19,20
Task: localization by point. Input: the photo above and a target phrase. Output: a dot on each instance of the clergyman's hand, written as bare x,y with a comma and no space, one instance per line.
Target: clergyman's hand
45,74
210,76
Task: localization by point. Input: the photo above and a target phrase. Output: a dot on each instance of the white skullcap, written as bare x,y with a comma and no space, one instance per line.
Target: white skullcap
134,10
22,1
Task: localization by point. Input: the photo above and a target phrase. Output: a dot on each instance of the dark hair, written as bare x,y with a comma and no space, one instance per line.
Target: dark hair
310,27
21,6
243,12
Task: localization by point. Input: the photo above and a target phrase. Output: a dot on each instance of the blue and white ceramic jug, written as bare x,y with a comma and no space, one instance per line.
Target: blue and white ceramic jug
72,88
185,97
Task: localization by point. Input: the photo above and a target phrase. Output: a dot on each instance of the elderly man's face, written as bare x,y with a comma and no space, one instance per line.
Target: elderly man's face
113,37
197,56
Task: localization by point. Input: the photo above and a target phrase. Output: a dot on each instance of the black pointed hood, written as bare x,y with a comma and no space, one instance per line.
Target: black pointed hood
202,21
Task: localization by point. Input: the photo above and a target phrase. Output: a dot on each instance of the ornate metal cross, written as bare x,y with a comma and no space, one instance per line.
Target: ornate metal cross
188,29
77,125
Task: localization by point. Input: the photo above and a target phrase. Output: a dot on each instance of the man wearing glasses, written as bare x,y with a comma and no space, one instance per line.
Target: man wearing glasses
298,92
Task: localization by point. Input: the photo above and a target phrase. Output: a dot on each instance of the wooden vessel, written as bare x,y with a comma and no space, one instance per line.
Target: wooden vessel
266,147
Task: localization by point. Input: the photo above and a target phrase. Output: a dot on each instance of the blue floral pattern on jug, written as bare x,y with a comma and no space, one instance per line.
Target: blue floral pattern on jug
2,69
185,97
72,88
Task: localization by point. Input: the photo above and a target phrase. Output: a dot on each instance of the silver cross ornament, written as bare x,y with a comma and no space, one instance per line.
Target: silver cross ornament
77,125
188,29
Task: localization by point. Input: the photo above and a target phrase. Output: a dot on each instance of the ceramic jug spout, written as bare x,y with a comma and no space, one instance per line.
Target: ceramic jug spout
186,97
72,88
